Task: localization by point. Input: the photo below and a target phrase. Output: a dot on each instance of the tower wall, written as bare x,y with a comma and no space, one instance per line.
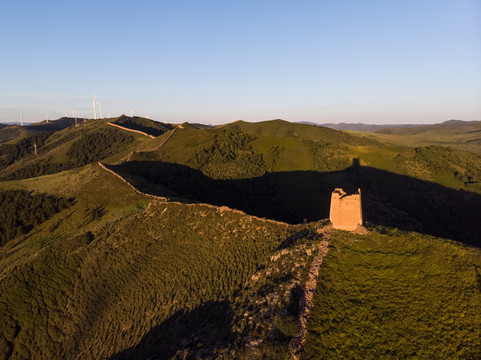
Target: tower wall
346,210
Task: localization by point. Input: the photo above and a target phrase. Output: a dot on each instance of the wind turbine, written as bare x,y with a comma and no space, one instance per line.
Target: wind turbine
101,107
21,119
131,112
73,115
94,104
46,116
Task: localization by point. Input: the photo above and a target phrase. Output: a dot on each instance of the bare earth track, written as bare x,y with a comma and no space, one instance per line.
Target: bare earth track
306,305
131,130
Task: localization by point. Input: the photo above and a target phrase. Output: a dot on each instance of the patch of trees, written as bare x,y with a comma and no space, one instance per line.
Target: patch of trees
330,157
10,153
8,133
36,169
229,157
21,211
97,146
88,149
453,168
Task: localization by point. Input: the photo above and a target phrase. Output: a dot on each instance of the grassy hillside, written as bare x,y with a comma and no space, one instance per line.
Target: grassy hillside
461,135
93,269
21,211
149,278
396,295
147,126
62,150
268,169
131,270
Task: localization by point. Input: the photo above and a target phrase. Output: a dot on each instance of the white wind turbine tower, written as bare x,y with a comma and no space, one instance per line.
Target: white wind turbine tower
21,119
131,112
101,107
73,115
46,116
94,105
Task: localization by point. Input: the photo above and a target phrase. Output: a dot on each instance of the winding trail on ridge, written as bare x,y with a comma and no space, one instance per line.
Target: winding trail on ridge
131,130
166,199
172,132
306,304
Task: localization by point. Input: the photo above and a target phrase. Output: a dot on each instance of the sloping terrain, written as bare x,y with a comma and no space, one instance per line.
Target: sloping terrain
147,126
61,150
363,127
92,282
98,270
396,295
461,135
287,171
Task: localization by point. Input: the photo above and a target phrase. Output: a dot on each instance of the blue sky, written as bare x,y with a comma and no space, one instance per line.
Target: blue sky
413,61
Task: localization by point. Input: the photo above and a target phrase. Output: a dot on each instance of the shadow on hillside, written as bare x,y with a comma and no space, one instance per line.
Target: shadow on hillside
388,199
55,125
201,330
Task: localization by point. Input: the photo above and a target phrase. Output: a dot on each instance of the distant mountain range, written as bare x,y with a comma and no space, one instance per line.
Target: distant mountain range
375,127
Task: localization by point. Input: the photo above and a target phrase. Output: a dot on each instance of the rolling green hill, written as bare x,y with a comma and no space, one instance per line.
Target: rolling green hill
92,268
137,254
147,126
395,295
287,171
64,149
461,135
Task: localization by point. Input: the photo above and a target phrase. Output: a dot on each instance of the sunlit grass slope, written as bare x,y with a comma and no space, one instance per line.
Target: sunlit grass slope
97,277
283,146
396,295
71,147
456,134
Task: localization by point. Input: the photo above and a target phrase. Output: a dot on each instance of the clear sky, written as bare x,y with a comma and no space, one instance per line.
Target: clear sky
384,61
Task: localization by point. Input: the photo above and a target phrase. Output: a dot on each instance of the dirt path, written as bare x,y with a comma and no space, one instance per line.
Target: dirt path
306,303
129,184
218,208
155,148
132,130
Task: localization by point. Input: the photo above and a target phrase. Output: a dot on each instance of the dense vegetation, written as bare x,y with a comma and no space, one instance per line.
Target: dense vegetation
120,275
331,157
21,211
9,153
456,169
90,148
396,295
147,126
8,132
97,146
172,269
229,157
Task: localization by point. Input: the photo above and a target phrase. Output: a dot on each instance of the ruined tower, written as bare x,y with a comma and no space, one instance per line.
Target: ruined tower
346,210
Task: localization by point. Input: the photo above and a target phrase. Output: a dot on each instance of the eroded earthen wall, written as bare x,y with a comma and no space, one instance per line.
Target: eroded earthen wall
346,210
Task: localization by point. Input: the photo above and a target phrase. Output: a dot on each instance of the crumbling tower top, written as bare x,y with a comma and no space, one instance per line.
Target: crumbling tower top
346,210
